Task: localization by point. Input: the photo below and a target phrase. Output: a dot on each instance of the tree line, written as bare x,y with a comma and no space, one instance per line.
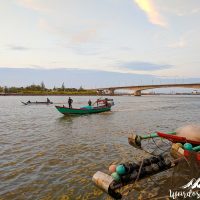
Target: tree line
41,89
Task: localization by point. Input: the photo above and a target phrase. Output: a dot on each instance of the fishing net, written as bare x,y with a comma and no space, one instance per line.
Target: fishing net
166,184
156,146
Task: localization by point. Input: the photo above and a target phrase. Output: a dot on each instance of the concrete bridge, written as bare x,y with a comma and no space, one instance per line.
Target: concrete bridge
137,89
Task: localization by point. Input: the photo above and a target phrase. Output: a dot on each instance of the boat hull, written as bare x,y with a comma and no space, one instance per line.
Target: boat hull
37,103
73,111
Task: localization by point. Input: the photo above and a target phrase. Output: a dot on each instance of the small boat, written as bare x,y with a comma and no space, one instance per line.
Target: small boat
38,102
81,111
87,109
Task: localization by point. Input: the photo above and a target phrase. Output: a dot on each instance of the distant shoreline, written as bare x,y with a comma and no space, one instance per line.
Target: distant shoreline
96,94
49,95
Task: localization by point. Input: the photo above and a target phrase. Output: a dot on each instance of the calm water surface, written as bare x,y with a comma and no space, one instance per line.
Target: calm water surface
44,155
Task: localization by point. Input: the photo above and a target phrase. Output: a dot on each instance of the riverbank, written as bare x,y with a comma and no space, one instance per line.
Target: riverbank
49,95
89,94
41,93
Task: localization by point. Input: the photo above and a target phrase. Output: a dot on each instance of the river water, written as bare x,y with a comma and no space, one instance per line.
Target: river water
44,155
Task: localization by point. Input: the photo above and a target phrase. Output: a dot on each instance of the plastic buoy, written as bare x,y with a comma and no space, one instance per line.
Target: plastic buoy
130,167
155,167
115,176
168,163
154,159
146,162
161,165
187,146
125,178
179,144
112,168
142,173
197,148
148,169
120,169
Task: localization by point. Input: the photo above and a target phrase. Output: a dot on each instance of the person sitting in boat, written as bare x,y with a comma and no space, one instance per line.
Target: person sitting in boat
28,101
89,102
48,101
70,101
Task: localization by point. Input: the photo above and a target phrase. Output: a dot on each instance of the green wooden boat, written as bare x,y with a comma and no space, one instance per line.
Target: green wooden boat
82,111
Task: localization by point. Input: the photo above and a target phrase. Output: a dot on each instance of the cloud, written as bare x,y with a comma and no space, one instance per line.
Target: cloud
33,5
84,36
44,25
195,10
73,37
18,48
125,48
144,66
181,43
187,8
184,40
152,13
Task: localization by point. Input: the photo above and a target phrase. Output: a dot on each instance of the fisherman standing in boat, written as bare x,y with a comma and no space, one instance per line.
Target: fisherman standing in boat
89,102
70,101
106,102
48,101
97,102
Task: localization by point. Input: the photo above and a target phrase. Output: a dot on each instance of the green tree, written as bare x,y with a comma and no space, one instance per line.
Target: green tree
43,86
63,86
81,88
34,88
1,89
6,90
13,90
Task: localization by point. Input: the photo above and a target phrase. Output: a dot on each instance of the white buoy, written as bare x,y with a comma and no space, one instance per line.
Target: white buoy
102,181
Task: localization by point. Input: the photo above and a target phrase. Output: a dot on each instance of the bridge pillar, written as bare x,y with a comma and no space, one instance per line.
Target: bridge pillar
137,93
100,92
112,91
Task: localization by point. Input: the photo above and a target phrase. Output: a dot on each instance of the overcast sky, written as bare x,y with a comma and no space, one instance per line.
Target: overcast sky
151,37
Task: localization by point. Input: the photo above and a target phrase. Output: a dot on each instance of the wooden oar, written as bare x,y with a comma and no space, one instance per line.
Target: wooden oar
24,103
60,103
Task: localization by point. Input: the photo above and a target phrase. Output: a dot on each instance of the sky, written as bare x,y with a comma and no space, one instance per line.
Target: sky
157,39
89,78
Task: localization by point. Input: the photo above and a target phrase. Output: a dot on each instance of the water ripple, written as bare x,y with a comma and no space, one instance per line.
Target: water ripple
44,155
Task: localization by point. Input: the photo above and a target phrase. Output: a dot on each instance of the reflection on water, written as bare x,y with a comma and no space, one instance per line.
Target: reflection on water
44,155
66,119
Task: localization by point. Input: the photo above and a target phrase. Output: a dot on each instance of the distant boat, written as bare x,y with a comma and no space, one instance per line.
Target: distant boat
38,102
86,109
